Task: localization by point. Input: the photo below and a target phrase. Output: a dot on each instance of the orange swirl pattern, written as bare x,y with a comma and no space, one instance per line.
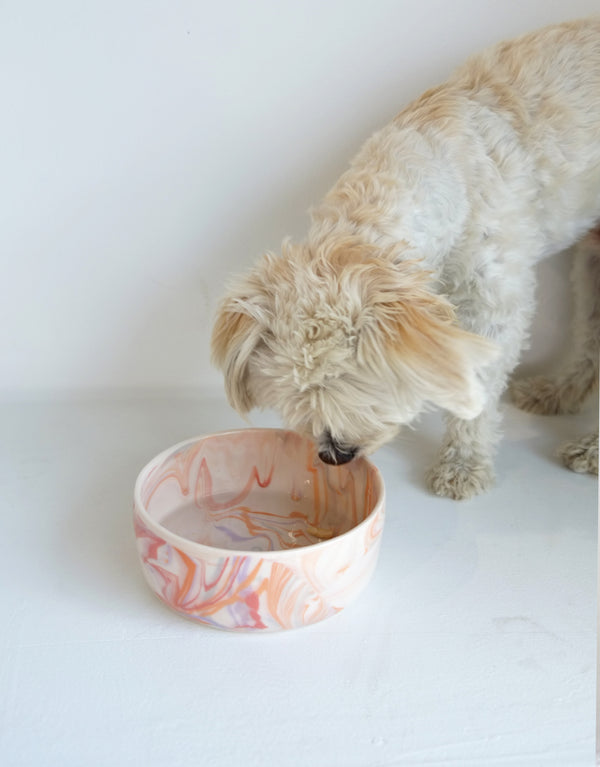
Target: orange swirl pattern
257,489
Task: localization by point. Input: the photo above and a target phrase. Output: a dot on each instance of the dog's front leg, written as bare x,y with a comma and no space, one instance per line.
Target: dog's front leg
464,466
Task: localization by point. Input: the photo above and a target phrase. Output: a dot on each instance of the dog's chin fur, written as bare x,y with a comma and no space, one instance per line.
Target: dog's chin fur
347,340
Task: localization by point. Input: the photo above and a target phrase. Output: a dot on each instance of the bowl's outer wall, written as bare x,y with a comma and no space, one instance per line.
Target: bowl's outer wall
249,591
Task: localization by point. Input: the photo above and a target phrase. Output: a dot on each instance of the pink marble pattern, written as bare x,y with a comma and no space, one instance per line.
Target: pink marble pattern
249,530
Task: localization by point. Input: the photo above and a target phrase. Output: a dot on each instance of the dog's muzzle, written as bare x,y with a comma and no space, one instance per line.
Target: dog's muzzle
333,453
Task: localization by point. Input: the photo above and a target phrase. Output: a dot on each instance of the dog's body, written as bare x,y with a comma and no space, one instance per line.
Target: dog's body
415,285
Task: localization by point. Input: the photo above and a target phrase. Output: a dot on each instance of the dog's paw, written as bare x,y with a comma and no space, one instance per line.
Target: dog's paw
581,455
460,480
542,395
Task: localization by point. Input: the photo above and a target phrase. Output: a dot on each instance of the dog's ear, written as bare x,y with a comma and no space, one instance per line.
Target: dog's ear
236,334
452,361
418,335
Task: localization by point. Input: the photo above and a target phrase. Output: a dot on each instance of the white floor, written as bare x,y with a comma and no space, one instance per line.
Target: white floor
475,643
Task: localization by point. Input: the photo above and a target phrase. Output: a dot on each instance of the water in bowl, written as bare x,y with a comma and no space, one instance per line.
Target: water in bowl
265,521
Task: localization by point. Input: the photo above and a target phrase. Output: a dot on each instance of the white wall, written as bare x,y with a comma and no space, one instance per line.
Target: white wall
148,149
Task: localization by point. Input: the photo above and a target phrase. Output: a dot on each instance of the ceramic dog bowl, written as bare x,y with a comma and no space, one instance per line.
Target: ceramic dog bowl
249,530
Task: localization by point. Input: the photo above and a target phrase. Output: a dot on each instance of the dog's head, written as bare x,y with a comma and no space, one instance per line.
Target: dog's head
347,345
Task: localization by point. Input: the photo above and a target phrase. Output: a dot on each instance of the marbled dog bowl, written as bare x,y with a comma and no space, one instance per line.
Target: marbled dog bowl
249,530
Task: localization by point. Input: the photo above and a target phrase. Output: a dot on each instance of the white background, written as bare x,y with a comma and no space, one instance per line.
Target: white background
150,149
147,151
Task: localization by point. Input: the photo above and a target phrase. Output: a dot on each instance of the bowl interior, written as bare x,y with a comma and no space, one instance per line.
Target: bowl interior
256,490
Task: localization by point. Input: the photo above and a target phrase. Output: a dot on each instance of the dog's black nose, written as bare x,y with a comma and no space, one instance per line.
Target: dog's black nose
333,453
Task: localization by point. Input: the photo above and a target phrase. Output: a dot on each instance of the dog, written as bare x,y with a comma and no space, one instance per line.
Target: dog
414,287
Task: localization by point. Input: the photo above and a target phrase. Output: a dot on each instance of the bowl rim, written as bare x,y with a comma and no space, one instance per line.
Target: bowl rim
203,550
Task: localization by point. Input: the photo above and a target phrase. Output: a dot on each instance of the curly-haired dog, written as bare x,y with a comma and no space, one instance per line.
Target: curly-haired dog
415,284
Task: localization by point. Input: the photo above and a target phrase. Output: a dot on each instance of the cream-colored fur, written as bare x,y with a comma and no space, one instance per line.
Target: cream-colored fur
414,286
567,391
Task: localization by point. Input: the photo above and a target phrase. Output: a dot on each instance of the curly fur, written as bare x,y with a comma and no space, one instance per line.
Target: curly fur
415,284
567,391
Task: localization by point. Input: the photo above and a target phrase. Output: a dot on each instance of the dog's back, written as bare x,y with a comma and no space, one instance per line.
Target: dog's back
560,61
512,136
547,84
